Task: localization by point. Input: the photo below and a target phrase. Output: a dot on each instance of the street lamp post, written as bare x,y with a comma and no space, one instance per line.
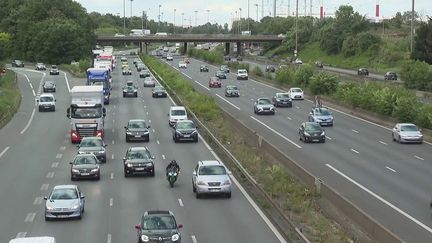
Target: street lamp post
240,9
162,16
159,15
124,17
248,15
208,11
236,20
412,27
131,8
296,35
196,12
256,5
182,14
174,21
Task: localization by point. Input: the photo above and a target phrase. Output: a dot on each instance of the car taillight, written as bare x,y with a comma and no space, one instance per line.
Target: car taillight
74,134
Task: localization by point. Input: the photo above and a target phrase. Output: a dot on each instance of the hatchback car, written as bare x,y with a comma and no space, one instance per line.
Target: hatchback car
46,102
407,133
296,93
159,91
321,115
221,74
390,76
144,73
232,91
127,71
17,63
93,145
38,239
130,91
176,113
363,71
185,130
40,66
85,166
138,160
211,177
282,99
264,106
214,82
64,201
182,64
158,226
224,68
242,74
311,132
49,86
137,130
140,66
319,64
204,68
54,70
169,58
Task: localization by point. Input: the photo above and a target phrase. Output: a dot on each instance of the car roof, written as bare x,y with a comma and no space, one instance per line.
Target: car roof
311,123
406,124
138,148
242,70
88,138
41,239
46,95
279,93
185,121
209,162
85,155
64,187
263,99
177,108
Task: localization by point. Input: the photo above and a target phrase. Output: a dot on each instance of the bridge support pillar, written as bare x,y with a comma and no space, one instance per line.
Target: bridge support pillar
146,48
184,48
239,49
140,44
227,48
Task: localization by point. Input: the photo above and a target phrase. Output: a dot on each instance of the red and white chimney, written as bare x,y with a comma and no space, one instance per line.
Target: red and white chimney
377,13
321,10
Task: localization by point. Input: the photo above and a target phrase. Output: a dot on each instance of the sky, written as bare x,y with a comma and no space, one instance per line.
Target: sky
225,11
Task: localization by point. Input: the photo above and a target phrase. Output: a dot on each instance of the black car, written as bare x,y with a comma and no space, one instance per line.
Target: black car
270,68
311,132
137,130
17,63
221,74
232,91
85,166
54,70
93,145
144,73
363,71
158,226
282,99
159,91
390,76
204,68
185,130
138,160
130,91
49,86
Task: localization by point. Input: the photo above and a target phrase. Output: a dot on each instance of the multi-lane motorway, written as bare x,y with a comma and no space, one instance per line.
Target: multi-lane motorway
389,181
35,150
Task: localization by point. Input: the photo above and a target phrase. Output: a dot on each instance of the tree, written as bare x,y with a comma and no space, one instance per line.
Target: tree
423,46
397,20
5,45
349,46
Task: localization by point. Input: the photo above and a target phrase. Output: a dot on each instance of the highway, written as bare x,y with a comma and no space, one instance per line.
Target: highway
35,150
389,181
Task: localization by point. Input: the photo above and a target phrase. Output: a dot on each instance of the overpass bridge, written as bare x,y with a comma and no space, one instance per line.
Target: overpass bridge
143,41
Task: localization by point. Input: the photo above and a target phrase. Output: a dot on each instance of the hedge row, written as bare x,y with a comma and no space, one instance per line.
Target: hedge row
10,97
208,56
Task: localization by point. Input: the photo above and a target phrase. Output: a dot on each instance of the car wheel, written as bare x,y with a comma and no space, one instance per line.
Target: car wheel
72,178
126,174
79,216
54,90
197,195
153,173
323,140
47,219
40,110
193,188
127,139
393,138
196,139
228,195
98,177
124,95
399,139
44,90
53,109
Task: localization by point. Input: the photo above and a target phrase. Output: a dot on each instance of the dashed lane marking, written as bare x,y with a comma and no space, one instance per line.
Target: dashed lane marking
238,108
38,201
180,202
59,156
54,164
355,151
201,85
111,202
354,131
163,156
381,142
29,122
194,240
50,174
62,148
44,187
112,175
278,133
418,157
21,235
30,217
4,151
392,170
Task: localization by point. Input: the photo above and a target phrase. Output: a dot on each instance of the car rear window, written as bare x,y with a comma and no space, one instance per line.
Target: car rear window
178,112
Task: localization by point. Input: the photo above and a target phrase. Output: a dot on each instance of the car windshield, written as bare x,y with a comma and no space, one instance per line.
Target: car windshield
232,88
312,127
158,222
90,112
264,102
242,71
87,160
91,143
53,67
185,125
212,170
409,128
130,88
46,99
159,88
138,154
224,67
178,112
220,73
282,95
64,194
137,124
203,66
296,90
322,112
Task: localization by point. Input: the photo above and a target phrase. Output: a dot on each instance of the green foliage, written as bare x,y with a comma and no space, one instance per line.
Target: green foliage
323,83
10,97
423,46
417,75
208,56
237,65
349,46
285,75
257,71
5,45
303,73
365,40
405,109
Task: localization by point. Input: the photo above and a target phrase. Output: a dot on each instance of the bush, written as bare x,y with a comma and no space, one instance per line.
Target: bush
417,75
285,75
424,116
84,64
257,71
208,56
303,73
323,83
349,46
406,109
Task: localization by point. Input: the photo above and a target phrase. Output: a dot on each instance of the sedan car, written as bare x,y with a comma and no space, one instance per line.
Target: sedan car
232,91
169,58
17,63
49,86
224,68
127,71
85,166
204,68
211,177
149,82
138,160
144,74
214,82
159,91
282,99
93,145
311,132
64,201
363,71
390,76
140,66
296,93
221,74
158,226
264,106
407,133
185,130
130,91
321,115
54,70
182,64
137,130
40,66
270,68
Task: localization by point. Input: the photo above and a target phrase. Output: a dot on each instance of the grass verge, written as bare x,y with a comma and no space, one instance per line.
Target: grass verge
10,97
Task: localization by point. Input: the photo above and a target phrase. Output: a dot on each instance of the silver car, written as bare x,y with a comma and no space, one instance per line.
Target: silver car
211,177
264,106
149,82
64,201
322,115
407,133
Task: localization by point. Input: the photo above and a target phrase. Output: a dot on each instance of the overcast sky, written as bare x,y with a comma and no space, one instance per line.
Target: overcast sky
224,11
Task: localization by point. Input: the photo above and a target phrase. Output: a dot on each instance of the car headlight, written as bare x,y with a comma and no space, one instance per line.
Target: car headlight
278,100
227,182
323,133
49,208
201,183
175,237
75,170
128,133
81,152
195,131
76,206
128,165
145,238
260,108
146,132
95,170
101,152
307,134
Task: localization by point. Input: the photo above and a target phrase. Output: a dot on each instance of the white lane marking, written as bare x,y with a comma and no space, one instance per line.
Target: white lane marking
289,118
62,148
205,87
157,141
50,174
112,142
153,131
30,217
381,199
238,108
194,240
163,156
392,170
112,156
186,75
149,121
112,175
271,129
297,107
418,157
59,156
38,201
355,151
112,130
180,202
381,142
354,131
29,122
147,113
111,201
67,81
44,187
21,235
114,106
329,138
30,84
113,120
54,164
4,151
109,238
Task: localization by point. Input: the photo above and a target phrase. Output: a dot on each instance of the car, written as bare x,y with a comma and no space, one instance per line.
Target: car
214,82
242,74
119,35
85,166
176,113
137,130
296,93
363,72
159,91
211,177
124,65
270,68
221,74
158,226
164,55
165,49
138,62
319,64
321,115
239,58
93,145
282,99
187,60
64,201
232,91
135,60
185,130
140,66
390,76
39,239
169,58
130,91
54,70
264,106
17,63
144,73
149,82
224,68
182,64
138,160
227,58
40,66
130,83
127,71
204,68
49,86
311,132
123,59
298,61
46,102
407,133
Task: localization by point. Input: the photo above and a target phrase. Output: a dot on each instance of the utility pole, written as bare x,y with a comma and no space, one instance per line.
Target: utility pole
159,16
240,9
305,7
124,17
208,16
310,12
174,21
262,9
196,12
248,16
182,14
412,26
131,9
142,21
274,8
256,5
296,28
289,8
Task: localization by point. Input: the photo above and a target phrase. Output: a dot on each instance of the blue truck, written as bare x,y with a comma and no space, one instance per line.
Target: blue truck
100,76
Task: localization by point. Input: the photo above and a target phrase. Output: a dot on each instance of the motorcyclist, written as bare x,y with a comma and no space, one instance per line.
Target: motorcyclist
171,166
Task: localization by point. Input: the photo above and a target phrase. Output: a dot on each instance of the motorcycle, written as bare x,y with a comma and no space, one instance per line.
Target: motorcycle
172,177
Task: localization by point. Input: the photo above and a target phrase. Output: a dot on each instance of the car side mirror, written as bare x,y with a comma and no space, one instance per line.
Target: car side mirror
180,226
153,157
229,172
104,114
78,146
82,197
148,126
125,127
310,113
194,173
138,226
420,130
124,158
45,198
70,163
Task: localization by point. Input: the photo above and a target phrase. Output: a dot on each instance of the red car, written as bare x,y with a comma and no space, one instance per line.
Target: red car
214,82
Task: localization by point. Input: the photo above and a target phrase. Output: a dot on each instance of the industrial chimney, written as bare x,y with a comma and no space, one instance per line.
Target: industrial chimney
377,9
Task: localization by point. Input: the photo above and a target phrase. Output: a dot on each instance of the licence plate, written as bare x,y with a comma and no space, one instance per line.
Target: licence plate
139,168
62,216
214,189
186,136
284,102
85,174
160,94
323,123
137,136
315,140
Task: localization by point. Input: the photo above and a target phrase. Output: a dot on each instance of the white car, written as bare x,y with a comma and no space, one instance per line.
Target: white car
182,64
296,94
41,239
211,177
176,113
242,74
46,102
169,58
407,133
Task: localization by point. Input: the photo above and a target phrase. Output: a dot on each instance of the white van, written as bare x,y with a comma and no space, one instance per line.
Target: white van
176,113
43,239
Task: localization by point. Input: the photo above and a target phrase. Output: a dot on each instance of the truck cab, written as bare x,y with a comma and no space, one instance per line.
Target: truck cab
100,77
